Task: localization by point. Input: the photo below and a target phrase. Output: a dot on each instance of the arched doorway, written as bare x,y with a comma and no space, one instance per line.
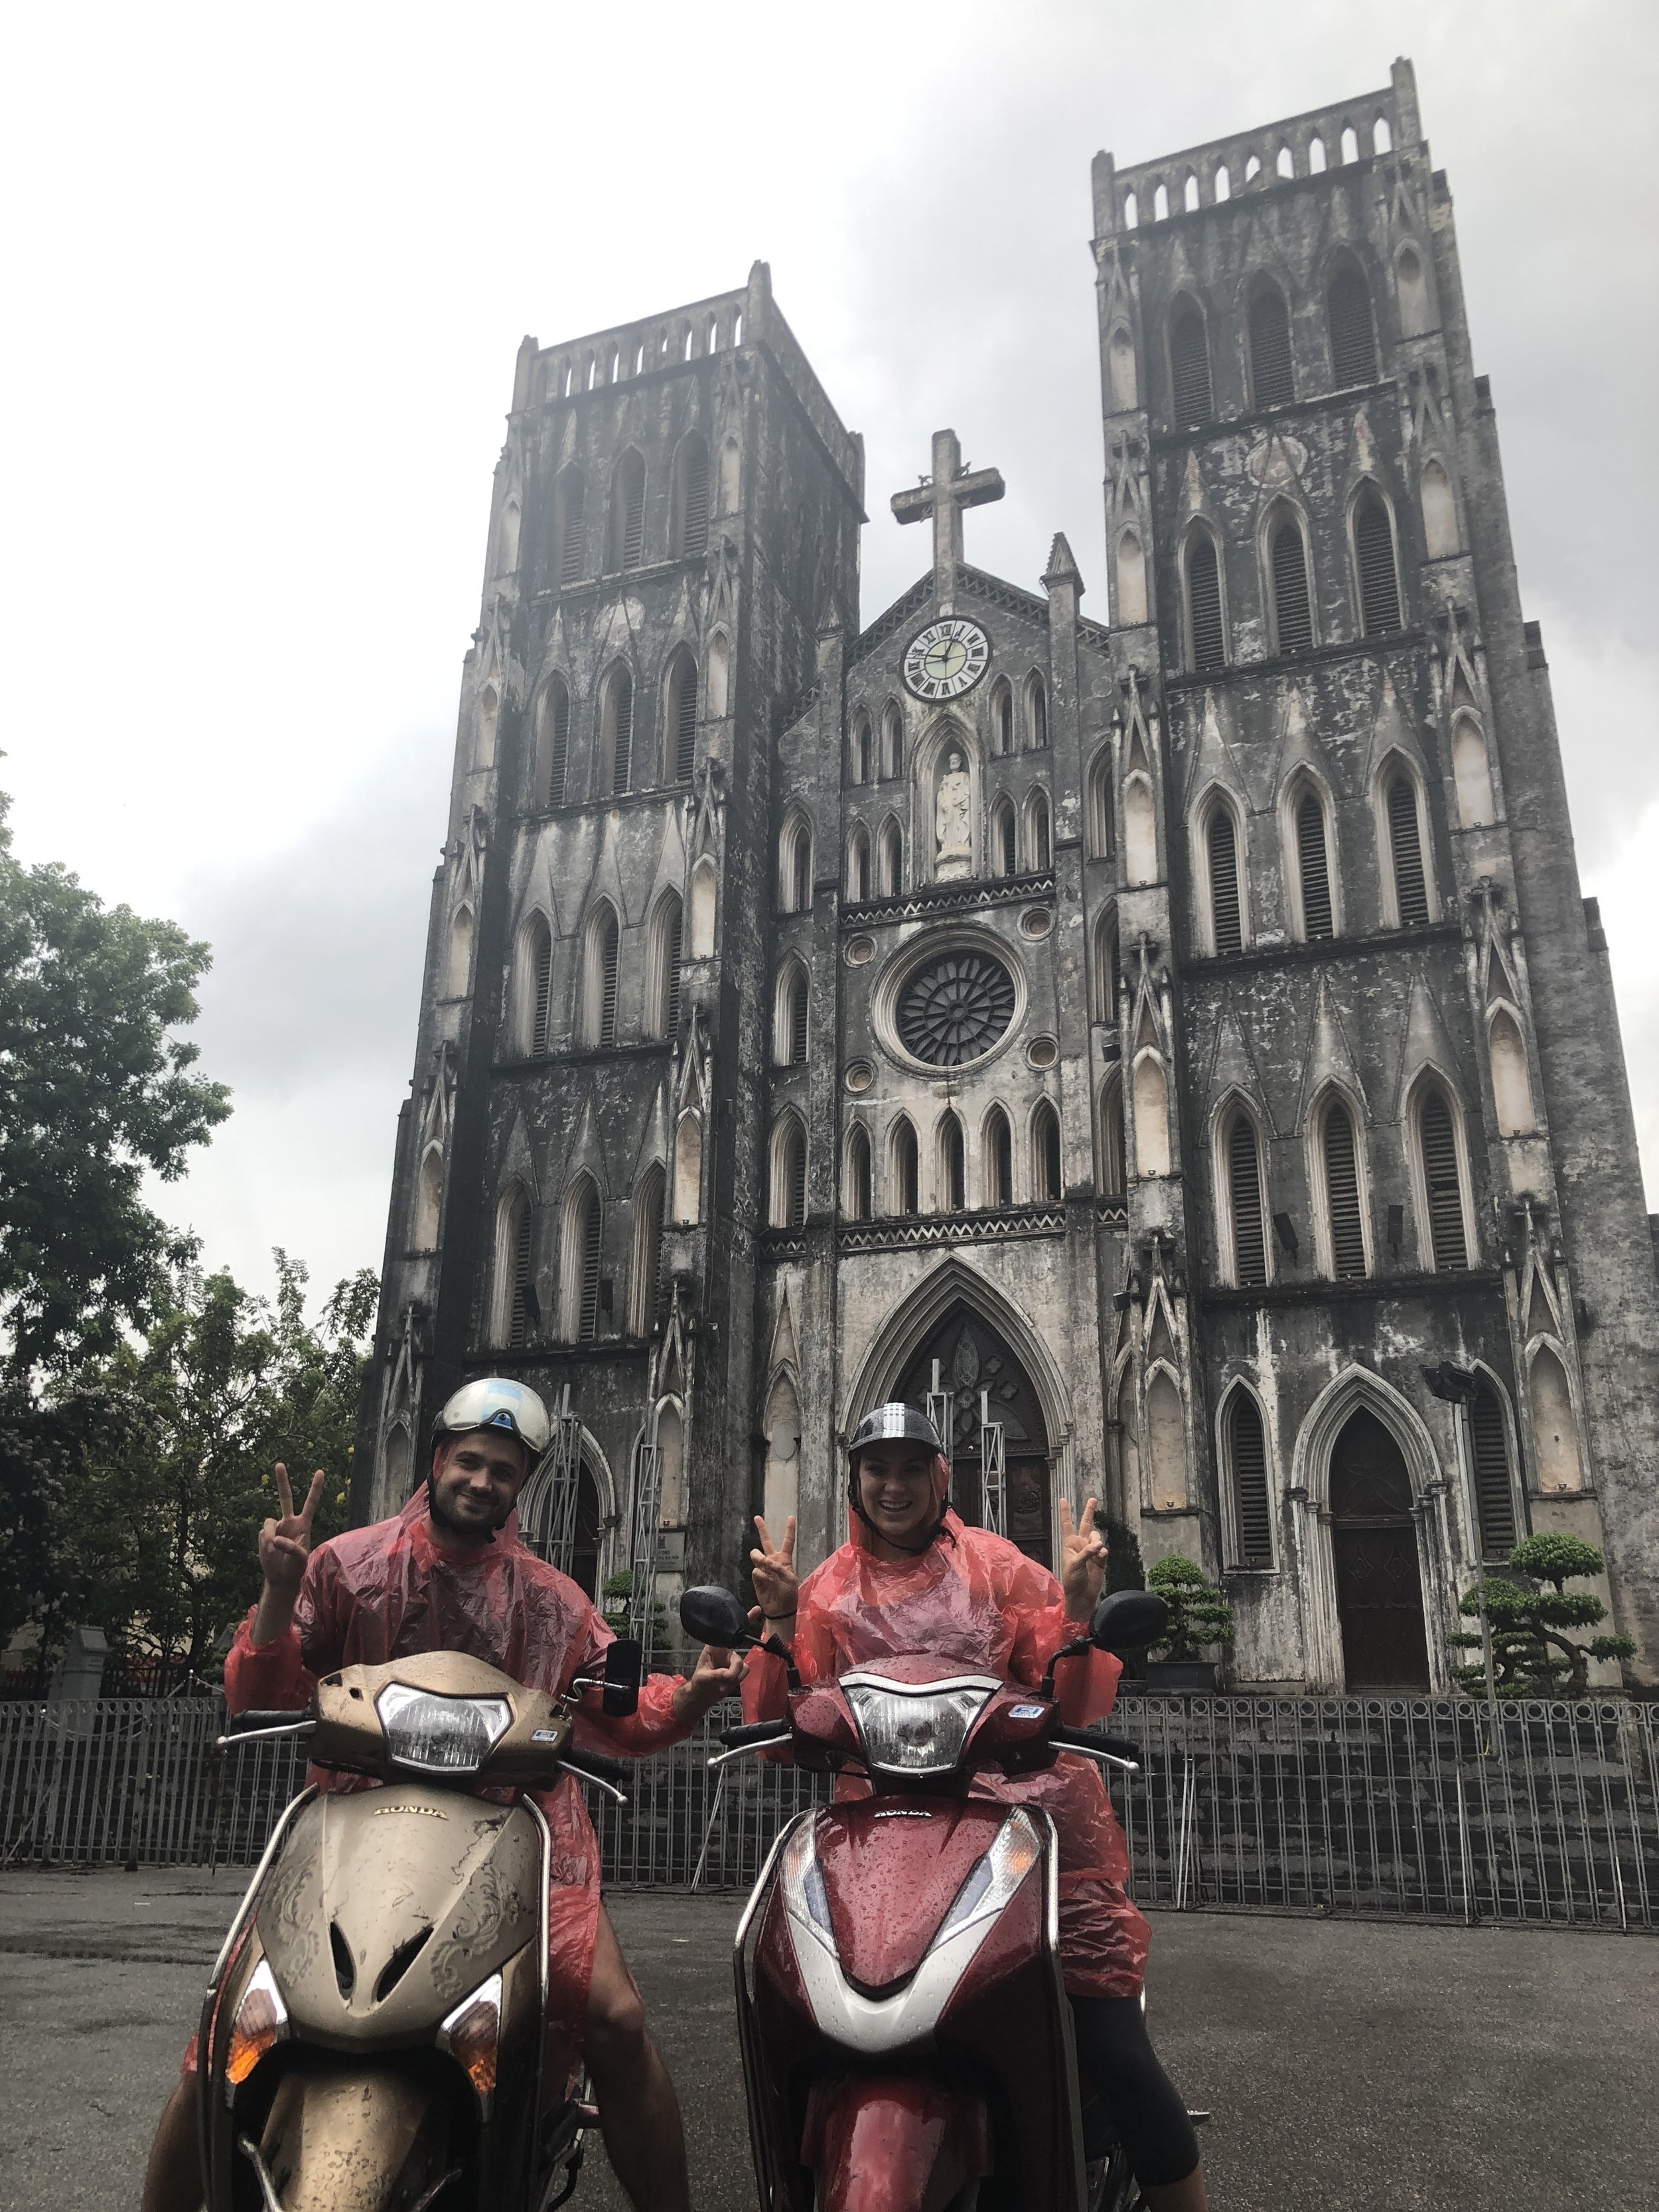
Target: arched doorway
973,1357
536,1526
1379,1584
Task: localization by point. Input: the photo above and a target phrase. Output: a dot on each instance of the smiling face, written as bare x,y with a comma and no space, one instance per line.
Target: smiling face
476,1481
899,1489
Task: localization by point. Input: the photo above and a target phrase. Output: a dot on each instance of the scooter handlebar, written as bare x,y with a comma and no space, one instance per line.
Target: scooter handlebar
244,1723
753,1732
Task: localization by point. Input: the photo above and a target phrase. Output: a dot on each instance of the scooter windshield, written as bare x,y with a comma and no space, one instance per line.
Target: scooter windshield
915,1728
433,1733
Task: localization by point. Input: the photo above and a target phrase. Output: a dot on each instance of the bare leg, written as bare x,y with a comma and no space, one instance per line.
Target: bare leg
1186,2196
173,2180
639,2112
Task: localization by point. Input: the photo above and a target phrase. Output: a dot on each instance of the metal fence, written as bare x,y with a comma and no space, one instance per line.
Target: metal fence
1445,1808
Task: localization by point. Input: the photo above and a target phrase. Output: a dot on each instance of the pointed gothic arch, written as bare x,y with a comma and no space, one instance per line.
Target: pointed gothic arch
428,1198
1151,1092
1339,1177
513,1288
1098,810
533,993
1399,805
664,939
614,762
483,751
1306,829
550,772
705,887
688,1168
1250,1492
1105,980
581,1233
569,525
459,978
1287,561
996,1149
645,1270
858,864
795,886
1472,769
1375,555
1114,1180
1511,1083
1437,1150
903,1168
1220,872
857,1196
625,525
787,1192
689,497
601,961
679,716
1239,1153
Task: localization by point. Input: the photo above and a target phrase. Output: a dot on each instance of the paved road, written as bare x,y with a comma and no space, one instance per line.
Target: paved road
1352,2067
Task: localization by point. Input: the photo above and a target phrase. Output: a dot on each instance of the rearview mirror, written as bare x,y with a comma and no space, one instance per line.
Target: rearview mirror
624,1666
709,1614
1127,1620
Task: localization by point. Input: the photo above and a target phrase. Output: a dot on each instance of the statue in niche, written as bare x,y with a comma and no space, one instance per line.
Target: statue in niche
954,851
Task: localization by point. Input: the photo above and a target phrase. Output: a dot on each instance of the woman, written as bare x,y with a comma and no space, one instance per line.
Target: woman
914,1577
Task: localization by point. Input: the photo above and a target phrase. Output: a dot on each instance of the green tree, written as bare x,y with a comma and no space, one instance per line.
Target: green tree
1198,1612
1532,1655
95,1092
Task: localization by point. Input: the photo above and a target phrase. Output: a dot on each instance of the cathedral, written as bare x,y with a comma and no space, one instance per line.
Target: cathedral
1169,1042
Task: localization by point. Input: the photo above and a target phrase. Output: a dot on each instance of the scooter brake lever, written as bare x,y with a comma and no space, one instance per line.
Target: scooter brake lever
262,1736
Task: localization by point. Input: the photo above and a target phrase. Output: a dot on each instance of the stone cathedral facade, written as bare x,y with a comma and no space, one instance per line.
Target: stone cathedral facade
1172,1037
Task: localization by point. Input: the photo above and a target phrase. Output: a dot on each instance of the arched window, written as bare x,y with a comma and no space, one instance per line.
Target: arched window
552,742
1353,340
788,1192
949,1167
1292,611
647,1268
429,1198
704,898
507,541
1002,718
1272,382
902,1167
569,522
1045,1183
1106,964
1440,537
1494,1485
730,460
1206,638
892,740
1554,1431
626,543
691,498
663,966
1221,853
461,953
858,863
1224,183
615,761
680,718
1100,805
789,1016
1139,829
1350,143
719,675
1345,1214
599,978
1410,890
795,867
1246,1214
1189,367
1004,847
1189,194
1113,1155
890,855
1131,579
1381,137
580,1247
1285,165
1411,287
1313,861
688,1168
538,986
1442,1181
1247,1463
999,1157
855,1183
1511,1085
1316,156
861,754
1121,371
1475,803
1374,565
1040,857
515,1292
483,753
1037,713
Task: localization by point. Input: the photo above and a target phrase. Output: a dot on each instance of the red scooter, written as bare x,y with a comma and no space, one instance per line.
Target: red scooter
906,2038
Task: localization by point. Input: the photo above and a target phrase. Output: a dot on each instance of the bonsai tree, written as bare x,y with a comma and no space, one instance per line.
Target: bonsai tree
1198,1612
1532,1657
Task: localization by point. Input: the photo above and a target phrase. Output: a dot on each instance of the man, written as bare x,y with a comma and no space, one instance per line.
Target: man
449,1573
914,1577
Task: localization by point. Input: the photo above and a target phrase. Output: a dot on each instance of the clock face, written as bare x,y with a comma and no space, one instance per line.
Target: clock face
947,659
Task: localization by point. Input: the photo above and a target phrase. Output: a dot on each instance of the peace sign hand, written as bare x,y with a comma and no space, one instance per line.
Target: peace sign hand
285,1542
773,1573
1083,1559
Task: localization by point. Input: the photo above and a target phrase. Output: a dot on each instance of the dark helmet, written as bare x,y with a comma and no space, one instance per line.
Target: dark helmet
884,1423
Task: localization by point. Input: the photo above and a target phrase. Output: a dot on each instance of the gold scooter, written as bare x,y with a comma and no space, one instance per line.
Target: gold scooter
373,2038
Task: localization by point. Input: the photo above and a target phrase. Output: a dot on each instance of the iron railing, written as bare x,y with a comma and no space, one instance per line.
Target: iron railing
1444,1808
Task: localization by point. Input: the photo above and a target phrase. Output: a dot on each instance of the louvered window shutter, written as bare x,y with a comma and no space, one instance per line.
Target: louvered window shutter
904,1151
570,547
543,990
1040,855
1209,646
1250,1494
1271,378
1002,1161
558,757
520,1318
608,950
590,1222
1315,865
1244,1180
1224,916
1342,1194
1411,892
633,519
802,887
671,1020
695,525
1190,370
1445,1192
1493,1495
1006,834
798,1021
1353,342
797,1172
956,1194
622,757
1292,613
1379,586
685,721
858,1178
1048,1164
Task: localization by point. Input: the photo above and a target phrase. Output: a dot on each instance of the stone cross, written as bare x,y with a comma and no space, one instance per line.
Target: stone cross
944,494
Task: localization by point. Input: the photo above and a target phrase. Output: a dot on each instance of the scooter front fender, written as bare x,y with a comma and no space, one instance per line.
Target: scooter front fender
893,2143
346,2140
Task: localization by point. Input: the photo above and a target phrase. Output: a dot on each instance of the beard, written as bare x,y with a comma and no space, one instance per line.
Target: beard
456,1527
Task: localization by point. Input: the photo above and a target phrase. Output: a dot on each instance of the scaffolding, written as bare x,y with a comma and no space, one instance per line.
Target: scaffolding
642,1555
993,1469
554,1488
938,1412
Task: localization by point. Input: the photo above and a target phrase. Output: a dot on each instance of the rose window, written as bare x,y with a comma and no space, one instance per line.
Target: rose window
955,1008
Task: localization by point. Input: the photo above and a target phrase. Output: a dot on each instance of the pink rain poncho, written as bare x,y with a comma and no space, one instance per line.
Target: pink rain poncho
395,1589
974,1600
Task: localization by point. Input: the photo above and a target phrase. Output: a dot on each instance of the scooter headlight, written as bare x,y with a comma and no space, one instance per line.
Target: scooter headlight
472,2034
917,1730
261,2023
436,1734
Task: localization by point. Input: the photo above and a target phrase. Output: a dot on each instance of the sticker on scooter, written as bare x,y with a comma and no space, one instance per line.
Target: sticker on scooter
1026,1712
544,1735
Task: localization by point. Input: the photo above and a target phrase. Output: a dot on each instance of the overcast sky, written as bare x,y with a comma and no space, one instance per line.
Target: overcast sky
266,270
